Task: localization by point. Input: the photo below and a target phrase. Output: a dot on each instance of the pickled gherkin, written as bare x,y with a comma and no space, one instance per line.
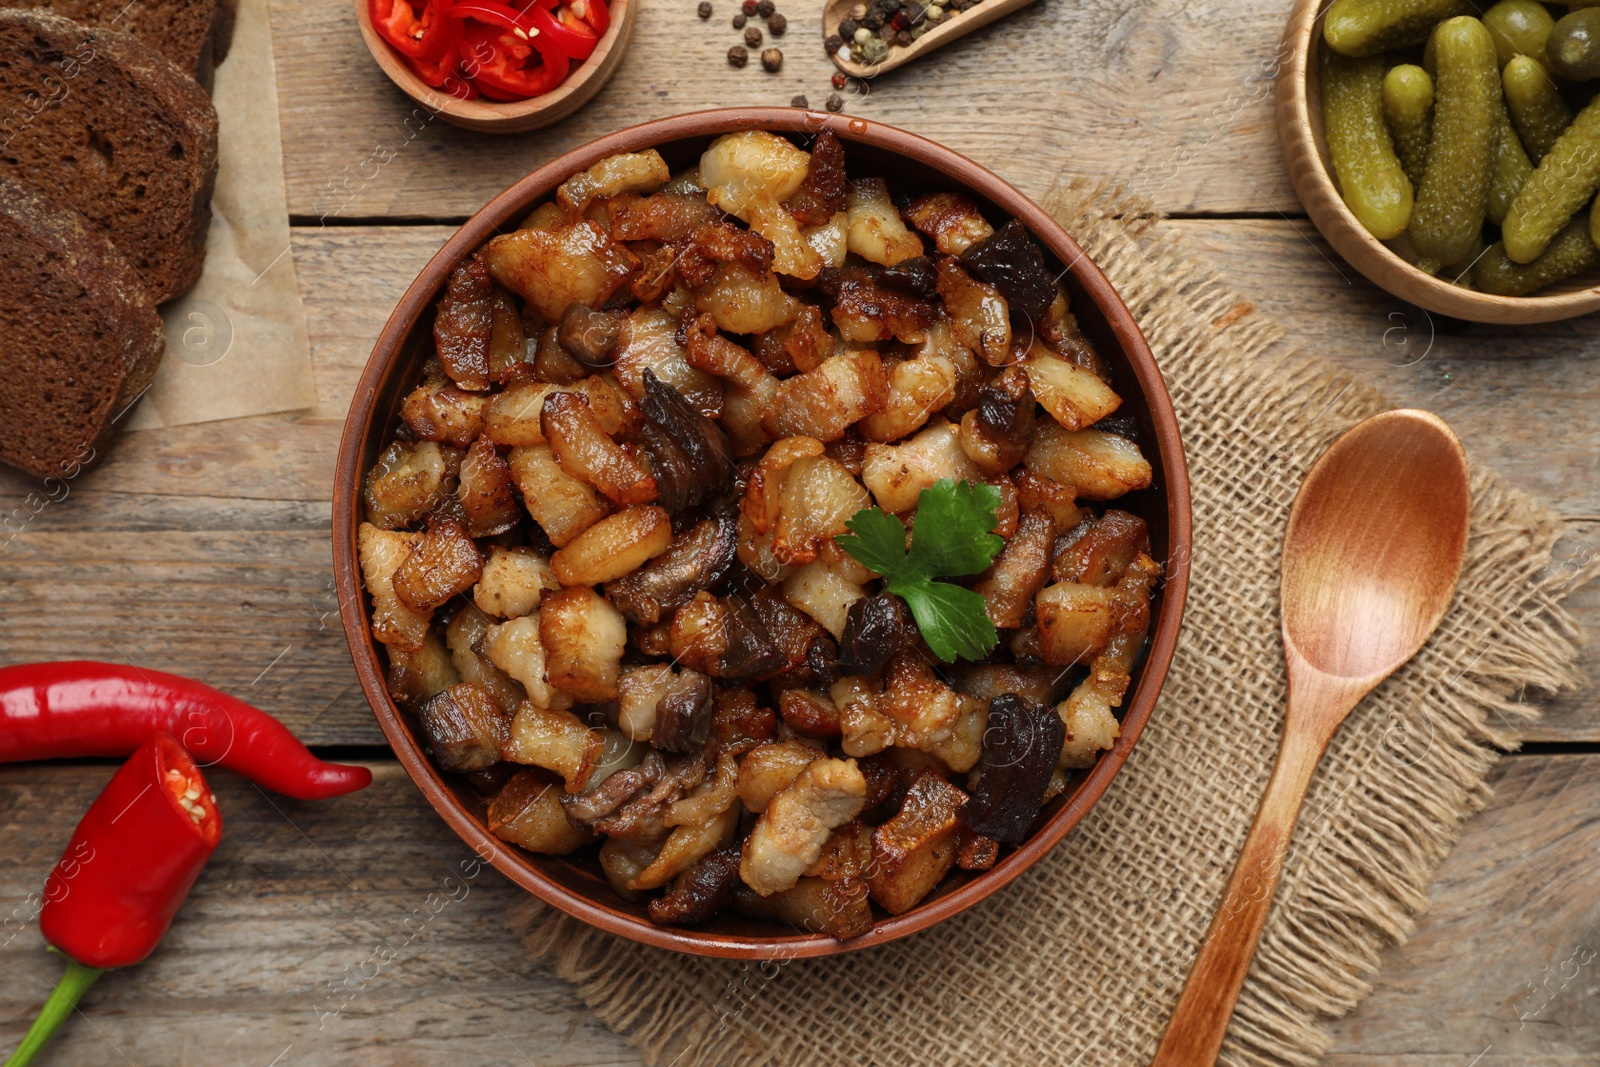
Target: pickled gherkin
1562,183
1537,109
1370,176
1454,197
1519,28
1408,108
1511,167
1572,251
1367,27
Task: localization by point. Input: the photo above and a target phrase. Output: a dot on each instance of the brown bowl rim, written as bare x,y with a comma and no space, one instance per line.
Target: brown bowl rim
1305,155
510,205
519,116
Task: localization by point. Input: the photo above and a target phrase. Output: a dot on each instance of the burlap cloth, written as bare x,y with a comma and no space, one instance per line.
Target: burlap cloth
1081,959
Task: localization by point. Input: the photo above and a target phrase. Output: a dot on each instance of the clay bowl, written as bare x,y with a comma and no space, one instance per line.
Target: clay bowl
575,884
488,116
1387,265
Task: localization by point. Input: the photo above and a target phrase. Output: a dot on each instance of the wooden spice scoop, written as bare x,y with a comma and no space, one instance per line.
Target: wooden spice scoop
954,27
1370,562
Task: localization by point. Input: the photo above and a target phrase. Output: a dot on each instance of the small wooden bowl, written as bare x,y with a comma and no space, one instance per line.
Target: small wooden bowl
575,883
1305,152
488,116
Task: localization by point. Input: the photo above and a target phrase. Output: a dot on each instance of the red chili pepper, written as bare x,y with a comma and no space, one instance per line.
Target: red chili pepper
85,708
574,38
491,13
497,61
417,32
125,873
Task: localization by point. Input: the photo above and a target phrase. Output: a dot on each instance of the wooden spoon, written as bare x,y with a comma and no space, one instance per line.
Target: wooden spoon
1370,562
954,26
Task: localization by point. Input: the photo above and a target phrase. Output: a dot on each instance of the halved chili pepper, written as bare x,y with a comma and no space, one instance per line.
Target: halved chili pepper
413,34
86,708
574,38
129,866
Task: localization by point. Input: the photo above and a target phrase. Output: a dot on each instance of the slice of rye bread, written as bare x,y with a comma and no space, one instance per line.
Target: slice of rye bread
79,336
193,34
100,121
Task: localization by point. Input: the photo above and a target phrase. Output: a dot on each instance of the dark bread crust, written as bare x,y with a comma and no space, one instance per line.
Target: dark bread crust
193,34
80,338
102,122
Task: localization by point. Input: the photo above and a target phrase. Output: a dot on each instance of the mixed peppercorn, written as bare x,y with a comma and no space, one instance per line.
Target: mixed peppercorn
870,29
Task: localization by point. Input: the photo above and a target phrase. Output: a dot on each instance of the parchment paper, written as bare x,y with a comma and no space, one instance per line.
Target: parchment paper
236,343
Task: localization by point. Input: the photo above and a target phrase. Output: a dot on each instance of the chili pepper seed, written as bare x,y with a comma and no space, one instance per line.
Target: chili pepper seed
737,56
772,59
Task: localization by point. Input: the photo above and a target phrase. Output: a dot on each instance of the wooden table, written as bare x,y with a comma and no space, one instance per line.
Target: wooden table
205,550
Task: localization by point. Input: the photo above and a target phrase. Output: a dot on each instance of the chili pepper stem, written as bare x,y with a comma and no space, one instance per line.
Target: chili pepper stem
63,1001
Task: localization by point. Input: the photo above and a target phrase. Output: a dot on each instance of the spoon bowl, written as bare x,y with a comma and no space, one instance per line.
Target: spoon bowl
1371,559
1374,546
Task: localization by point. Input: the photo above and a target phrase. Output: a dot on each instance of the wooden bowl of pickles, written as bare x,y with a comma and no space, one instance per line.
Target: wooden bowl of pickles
1451,153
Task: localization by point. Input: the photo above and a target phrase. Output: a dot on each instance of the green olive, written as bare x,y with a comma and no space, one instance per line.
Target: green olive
1574,45
1519,28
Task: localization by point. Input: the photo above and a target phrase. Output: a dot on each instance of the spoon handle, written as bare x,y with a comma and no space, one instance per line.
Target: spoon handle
1194,1034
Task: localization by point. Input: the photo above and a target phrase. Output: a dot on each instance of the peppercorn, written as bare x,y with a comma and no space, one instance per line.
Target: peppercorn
739,21
777,24
873,21
800,101
838,80
848,27
832,43
902,38
858,11
835,102
748,7
772,60
765,8
737,56
704,10
752,37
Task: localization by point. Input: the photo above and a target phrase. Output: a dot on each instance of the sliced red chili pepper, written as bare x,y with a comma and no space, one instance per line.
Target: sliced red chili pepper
128,868
496,62
83,708
492,13
437,72
414,34
594,12
574,39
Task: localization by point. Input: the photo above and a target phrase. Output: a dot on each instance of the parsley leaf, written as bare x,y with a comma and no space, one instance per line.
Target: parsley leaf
952,538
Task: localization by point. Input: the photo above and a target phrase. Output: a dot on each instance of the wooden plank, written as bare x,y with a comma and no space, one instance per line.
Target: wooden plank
1171,94
299,896
1501,971
204,549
